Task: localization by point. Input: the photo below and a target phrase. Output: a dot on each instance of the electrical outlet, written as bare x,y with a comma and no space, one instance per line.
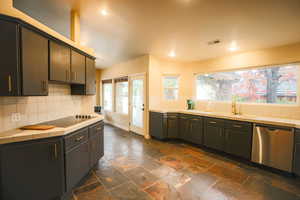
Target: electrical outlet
15,117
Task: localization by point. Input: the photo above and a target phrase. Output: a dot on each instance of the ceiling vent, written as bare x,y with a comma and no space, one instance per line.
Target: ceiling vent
214,42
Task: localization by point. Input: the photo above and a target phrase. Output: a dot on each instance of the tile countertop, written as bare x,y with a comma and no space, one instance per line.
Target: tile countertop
246,118
18,135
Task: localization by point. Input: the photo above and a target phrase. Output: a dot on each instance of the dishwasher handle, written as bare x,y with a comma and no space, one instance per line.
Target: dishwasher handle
273,128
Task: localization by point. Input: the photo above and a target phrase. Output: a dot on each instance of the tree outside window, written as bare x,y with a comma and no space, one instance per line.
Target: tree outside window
275,84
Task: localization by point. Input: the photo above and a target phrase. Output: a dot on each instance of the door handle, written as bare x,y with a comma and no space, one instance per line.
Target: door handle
9,83
79,138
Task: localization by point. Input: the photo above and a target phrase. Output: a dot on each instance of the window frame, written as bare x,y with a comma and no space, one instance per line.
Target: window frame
177,76
116,99
112,95
296,104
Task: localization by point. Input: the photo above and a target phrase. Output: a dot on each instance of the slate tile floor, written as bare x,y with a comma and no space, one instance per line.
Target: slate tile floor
137,169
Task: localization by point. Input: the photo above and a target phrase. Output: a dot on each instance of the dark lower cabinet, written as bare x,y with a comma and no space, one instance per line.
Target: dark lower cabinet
32,170
214,137
238,143
296,169
77,164
191,128
156,125
96,143
184,127
172,126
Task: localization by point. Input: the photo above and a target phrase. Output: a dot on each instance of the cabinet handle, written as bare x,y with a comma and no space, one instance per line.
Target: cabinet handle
212,122
9,83
99,129
79,138
75,76
237,126
55,151
44,85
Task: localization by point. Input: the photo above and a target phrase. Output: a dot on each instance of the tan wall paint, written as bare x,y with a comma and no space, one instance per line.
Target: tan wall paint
98,88
138,65
187,70
6,8
75,26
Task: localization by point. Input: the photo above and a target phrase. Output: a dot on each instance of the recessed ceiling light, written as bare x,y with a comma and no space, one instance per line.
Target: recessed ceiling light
172,54
233,46
104,12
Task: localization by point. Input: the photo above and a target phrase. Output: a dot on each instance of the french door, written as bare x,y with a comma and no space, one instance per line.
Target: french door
137,104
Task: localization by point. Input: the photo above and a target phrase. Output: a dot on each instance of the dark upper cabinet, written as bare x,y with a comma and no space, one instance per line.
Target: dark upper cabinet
172,126
89,88
34,63
59,62
10,60
90,77
32,170
24,61
77,68
96,142
238,138
297,153
214,134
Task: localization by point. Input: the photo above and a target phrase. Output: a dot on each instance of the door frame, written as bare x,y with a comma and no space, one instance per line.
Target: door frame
132,128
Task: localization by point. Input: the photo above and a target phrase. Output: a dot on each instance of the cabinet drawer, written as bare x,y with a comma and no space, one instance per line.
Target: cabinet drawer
238,125
76,138
96,129
214,122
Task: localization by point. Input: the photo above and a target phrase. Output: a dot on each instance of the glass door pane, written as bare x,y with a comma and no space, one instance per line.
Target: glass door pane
137,117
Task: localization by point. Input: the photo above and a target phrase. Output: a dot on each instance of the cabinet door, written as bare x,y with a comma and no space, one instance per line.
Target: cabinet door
96,148
77,68
297,153
213,137
60,62
238,143
196,130
90,77
77,164
184,128
9,62
34,63
156,128
172,127
32,170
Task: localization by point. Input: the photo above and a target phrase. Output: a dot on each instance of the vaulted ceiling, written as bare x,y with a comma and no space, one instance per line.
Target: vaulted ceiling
137,27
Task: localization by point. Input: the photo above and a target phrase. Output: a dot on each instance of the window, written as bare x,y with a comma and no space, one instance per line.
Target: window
107,96
170,87
276,84
122,97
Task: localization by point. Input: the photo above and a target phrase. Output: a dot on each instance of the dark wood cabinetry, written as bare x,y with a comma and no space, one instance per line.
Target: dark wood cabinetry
214,134
191,128
34,63
297,153
172,126
32,170
59,62
77,68
96,142
89,88
157,127
24,61
238,139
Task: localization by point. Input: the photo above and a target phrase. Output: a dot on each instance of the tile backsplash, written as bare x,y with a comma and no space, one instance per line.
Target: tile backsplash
60,103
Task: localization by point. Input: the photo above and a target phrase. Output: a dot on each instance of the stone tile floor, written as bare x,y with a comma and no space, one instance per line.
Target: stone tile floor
137,169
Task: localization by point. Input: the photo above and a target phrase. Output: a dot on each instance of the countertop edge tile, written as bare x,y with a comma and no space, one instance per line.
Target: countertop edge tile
18,135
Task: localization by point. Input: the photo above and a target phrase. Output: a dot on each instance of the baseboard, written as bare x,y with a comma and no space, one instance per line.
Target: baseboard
117,125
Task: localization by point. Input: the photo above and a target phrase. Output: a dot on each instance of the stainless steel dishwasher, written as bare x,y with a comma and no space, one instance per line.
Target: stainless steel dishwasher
273,146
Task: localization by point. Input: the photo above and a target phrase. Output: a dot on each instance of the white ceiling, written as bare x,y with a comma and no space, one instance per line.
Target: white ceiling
138,27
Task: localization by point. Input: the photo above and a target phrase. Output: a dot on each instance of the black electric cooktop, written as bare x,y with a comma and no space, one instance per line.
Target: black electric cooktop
68,121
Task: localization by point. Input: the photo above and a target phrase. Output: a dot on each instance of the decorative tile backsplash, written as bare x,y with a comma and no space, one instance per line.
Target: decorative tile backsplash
60,103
